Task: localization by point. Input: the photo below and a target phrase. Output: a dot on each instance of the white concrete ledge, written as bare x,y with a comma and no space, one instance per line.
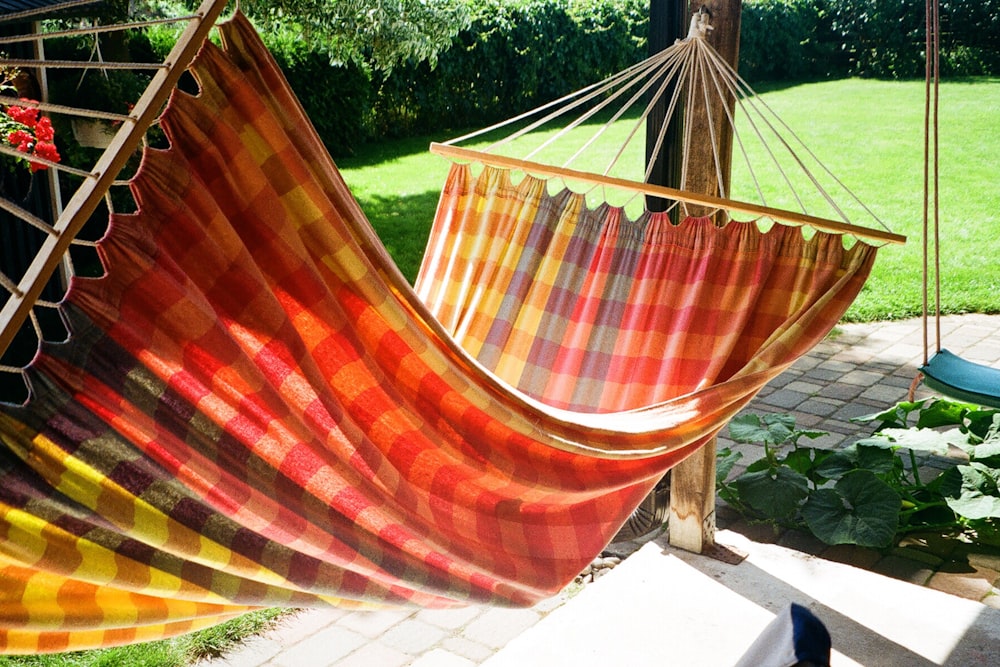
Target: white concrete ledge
666,607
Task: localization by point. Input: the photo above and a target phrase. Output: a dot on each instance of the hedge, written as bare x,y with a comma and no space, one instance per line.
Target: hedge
517,54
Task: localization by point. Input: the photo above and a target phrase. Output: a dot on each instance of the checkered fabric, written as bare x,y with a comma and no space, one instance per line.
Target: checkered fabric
588,310
255,409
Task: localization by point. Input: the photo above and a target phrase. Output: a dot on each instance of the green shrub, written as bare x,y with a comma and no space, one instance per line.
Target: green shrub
336,97
783,40
514,56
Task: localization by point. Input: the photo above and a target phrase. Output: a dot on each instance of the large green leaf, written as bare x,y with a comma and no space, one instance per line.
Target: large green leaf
943,413
858,456
775,493
984,423
977,496
772,429
860,509
725,459
894,416
988,451
923,439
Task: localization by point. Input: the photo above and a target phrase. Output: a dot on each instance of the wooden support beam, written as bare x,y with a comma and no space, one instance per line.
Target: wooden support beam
709,146
83,203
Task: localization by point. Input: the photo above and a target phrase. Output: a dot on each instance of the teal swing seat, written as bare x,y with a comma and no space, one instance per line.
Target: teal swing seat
962,379
944,372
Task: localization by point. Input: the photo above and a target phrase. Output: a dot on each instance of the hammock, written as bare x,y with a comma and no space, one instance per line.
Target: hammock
254,409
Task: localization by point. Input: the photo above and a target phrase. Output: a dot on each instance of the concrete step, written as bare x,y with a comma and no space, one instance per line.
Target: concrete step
667,607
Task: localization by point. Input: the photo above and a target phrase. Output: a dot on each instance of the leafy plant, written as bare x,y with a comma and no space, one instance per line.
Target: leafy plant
870,493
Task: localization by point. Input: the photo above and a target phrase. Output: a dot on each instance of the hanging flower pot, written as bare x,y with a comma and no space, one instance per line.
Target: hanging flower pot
93,133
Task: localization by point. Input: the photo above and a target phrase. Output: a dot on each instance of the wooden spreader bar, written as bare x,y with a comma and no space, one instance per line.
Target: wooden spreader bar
733,206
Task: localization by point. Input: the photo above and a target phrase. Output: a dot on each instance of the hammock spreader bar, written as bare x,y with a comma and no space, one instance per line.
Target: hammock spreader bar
718,203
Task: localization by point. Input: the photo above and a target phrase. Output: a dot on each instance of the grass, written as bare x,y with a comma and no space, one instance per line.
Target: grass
176,652
869,133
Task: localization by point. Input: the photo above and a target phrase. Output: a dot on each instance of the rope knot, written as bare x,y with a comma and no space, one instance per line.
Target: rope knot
700,24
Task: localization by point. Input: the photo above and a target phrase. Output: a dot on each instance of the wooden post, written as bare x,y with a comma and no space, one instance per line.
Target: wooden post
692,483
668,22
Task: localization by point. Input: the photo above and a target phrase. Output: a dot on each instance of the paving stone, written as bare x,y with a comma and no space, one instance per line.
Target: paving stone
806,420
373,623
827,441
905,569
983,559
301,625
963,580
851,554
933,543
992,599
440,658
803,387
884,393
858,409
817,407
782,380
808,361
253,652
840,392
373,654
496,627
785,398
413,636
918,555
324,647
449,619
551,604
803,541
824,375
839,367
466,648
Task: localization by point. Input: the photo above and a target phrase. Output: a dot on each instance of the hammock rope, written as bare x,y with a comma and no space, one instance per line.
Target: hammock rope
700,74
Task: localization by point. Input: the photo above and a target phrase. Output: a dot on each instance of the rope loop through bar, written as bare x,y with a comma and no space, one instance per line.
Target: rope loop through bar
778,172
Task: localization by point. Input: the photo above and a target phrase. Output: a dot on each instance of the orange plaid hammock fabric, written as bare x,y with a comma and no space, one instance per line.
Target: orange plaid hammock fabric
254,408
588,310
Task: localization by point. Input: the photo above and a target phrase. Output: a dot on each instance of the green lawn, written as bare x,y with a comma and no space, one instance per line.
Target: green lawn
869,133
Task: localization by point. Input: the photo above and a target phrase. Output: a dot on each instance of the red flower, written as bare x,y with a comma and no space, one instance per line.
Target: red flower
47,150
20,139
25,115
44,130
26,130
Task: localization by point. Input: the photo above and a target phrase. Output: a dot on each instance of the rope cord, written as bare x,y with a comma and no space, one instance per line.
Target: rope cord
931,206
692,74
93,29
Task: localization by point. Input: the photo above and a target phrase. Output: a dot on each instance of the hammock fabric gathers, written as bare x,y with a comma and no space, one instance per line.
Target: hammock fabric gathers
254,408
588,310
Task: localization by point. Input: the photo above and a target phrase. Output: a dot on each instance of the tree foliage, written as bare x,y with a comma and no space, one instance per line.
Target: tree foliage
380,33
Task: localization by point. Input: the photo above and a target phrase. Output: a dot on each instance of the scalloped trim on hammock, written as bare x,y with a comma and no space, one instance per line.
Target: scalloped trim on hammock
732,206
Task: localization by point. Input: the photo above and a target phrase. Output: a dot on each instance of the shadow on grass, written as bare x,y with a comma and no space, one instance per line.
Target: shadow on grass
403,224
